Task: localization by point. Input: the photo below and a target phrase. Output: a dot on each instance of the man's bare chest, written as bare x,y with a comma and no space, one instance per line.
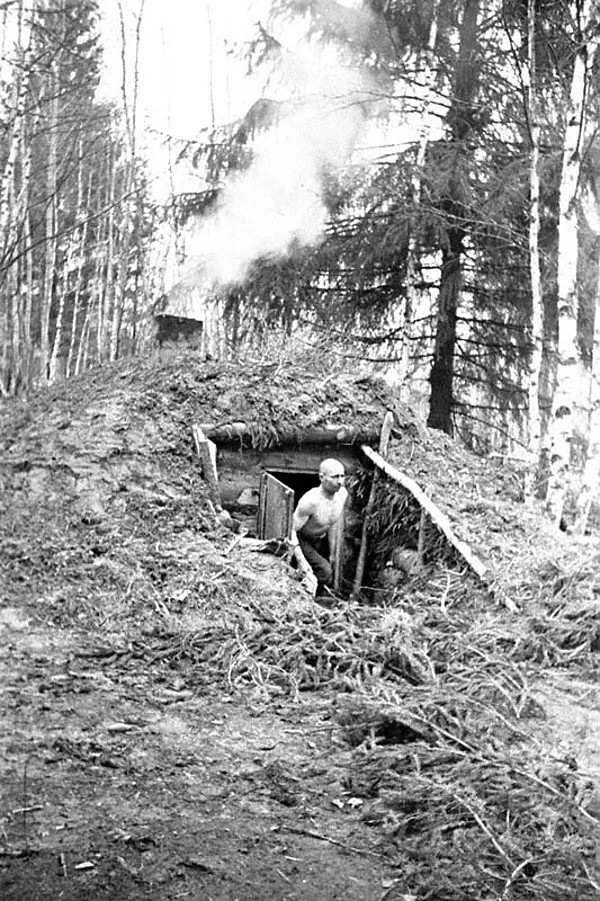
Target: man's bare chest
327,511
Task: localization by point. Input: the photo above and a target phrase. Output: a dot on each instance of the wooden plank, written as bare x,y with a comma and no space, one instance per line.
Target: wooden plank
275,508
435,514
304,459
207,451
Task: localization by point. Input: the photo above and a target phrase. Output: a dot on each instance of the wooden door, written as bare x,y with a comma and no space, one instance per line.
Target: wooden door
275,508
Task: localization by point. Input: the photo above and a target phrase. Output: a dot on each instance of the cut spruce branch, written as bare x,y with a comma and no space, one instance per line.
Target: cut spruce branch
436,515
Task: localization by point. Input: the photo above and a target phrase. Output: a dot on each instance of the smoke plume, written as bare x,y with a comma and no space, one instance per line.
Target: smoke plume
279,199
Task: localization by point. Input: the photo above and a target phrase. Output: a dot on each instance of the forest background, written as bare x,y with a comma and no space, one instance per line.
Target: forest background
410,185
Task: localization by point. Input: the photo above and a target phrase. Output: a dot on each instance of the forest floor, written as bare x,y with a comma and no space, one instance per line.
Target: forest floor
120,782
130,772
179,720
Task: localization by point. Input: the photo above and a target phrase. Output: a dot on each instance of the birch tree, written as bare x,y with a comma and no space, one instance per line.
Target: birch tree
72,198
16,74
567,427
53,80
590,482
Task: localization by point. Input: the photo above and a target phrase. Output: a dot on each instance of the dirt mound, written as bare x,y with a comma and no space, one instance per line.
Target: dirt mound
116,444
183,719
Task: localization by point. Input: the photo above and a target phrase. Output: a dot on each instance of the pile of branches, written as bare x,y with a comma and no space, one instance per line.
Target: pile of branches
563,626
396,521
437,714
436,709
471,821
559,598
306,647
447,771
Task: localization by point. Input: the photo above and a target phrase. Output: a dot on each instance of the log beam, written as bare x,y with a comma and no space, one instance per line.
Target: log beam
245,433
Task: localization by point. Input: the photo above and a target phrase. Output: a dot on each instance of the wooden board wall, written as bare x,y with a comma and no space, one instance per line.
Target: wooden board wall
241,469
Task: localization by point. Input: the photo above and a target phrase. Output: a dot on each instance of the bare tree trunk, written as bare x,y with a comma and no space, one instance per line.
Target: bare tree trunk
83,233
21,76
112,264
83,339
566,430
211,66
51,236
18,77
130,212
105,285
590,482
537,323
591,473
26,308
73,242
416,183
441,377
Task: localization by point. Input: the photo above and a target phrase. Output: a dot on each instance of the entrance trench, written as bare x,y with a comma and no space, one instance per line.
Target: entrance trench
302,481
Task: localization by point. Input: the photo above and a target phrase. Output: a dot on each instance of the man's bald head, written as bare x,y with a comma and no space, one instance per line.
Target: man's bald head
331,476
331,467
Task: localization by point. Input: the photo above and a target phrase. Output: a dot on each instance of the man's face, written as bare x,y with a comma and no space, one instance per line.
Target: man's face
332,479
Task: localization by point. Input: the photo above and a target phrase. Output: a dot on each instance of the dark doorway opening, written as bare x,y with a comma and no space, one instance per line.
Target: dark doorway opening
299,482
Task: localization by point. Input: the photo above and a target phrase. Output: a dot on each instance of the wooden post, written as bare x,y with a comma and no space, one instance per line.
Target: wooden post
384,439
207,451
337,563
422,546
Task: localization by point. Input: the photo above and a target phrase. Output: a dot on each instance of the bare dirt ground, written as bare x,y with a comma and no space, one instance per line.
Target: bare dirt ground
122,781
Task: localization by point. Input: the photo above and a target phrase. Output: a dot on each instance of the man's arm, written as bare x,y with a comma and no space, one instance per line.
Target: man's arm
300,518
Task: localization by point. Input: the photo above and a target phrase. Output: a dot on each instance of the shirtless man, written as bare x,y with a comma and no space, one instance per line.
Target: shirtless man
315,525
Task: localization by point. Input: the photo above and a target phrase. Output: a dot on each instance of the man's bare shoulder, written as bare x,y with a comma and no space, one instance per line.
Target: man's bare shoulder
309,500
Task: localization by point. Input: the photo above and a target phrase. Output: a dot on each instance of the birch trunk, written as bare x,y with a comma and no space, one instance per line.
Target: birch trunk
110,299
21,74
84,338
28,373
105,285
73,243
79,283
129,233
18,73
51,236
566,431
591,473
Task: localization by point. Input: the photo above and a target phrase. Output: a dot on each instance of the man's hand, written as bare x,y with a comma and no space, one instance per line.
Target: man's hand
309,582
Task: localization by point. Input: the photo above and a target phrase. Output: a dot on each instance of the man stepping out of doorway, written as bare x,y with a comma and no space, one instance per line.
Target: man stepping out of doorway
315,527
